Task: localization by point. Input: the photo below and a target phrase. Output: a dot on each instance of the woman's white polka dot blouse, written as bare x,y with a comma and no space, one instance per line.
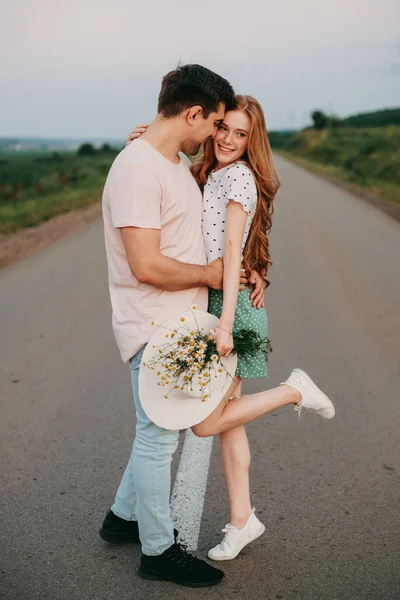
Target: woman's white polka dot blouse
234,182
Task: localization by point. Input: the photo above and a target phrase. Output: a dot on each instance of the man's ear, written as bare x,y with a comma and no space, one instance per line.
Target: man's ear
193,114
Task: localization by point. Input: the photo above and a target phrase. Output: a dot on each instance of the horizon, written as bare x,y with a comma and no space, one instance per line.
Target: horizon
122,139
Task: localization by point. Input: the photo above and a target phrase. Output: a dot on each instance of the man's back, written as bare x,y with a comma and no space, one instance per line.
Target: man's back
146,190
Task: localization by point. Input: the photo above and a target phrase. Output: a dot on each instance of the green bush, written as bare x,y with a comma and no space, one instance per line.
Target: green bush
280,139
86,150
320,120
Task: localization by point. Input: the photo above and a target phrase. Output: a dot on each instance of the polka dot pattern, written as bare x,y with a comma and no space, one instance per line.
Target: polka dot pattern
246,317
234,182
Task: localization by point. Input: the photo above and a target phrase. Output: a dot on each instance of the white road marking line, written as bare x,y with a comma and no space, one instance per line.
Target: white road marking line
190,486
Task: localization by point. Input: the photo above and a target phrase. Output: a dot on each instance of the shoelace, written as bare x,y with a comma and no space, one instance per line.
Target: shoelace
228,530
181,556
298,408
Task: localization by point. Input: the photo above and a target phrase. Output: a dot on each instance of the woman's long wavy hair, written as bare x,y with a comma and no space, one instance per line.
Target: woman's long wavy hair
258,157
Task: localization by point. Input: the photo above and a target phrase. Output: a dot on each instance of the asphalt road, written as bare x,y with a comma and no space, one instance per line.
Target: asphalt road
328,491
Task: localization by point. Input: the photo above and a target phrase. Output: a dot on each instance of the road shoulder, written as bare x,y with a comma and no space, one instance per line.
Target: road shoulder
390,208
17,246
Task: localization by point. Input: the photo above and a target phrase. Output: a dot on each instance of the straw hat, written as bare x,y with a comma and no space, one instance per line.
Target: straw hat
181,409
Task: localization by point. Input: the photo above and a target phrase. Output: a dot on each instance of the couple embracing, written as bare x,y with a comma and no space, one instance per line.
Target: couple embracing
179,235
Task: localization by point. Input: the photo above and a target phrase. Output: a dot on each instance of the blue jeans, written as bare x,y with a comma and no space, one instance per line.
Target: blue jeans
144,491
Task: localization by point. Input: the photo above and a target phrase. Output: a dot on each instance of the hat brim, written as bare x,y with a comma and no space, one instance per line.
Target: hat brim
179,410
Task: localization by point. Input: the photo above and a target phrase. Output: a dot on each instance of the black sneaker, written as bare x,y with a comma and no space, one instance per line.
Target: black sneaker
118,531
177,565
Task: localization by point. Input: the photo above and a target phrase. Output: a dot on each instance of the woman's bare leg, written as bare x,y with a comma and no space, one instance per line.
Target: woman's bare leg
236,459
240,411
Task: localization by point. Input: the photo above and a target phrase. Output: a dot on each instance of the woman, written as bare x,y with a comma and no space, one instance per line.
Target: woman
237,175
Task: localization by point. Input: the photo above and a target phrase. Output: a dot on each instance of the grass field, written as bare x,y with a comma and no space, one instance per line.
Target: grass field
36,187
369,158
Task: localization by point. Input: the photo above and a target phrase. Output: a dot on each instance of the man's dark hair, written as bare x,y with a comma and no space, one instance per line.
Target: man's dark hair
194,85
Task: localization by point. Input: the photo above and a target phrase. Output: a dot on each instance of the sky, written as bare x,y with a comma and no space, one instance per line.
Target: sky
93,68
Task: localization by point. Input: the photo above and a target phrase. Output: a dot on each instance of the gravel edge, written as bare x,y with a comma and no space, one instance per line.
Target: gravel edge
16,246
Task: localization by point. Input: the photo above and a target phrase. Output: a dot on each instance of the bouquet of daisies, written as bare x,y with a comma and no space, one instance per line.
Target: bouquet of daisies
188,360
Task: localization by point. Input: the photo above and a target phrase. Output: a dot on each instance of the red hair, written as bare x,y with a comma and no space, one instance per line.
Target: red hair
258,157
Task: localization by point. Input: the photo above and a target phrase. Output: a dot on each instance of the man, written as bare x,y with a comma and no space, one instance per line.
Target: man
152,211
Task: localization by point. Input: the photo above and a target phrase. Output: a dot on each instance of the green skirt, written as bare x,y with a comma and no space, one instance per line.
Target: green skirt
246,317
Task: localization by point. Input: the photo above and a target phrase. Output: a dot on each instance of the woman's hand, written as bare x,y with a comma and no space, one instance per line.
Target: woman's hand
224,340
136,133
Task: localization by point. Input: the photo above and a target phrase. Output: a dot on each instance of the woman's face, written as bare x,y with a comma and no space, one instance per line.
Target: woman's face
232,137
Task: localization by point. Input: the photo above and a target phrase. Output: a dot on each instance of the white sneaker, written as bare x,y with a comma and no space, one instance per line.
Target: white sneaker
311,396
236,539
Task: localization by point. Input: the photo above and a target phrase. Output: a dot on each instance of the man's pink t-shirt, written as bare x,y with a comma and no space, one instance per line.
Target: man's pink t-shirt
144,189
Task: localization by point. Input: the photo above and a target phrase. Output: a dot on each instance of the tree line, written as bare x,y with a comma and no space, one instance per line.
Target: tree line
378,118
33,175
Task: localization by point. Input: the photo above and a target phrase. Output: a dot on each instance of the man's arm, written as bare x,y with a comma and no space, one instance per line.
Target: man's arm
257,295
148,265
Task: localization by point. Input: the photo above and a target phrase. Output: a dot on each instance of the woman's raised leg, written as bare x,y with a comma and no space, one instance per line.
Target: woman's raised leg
299,389
239,411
